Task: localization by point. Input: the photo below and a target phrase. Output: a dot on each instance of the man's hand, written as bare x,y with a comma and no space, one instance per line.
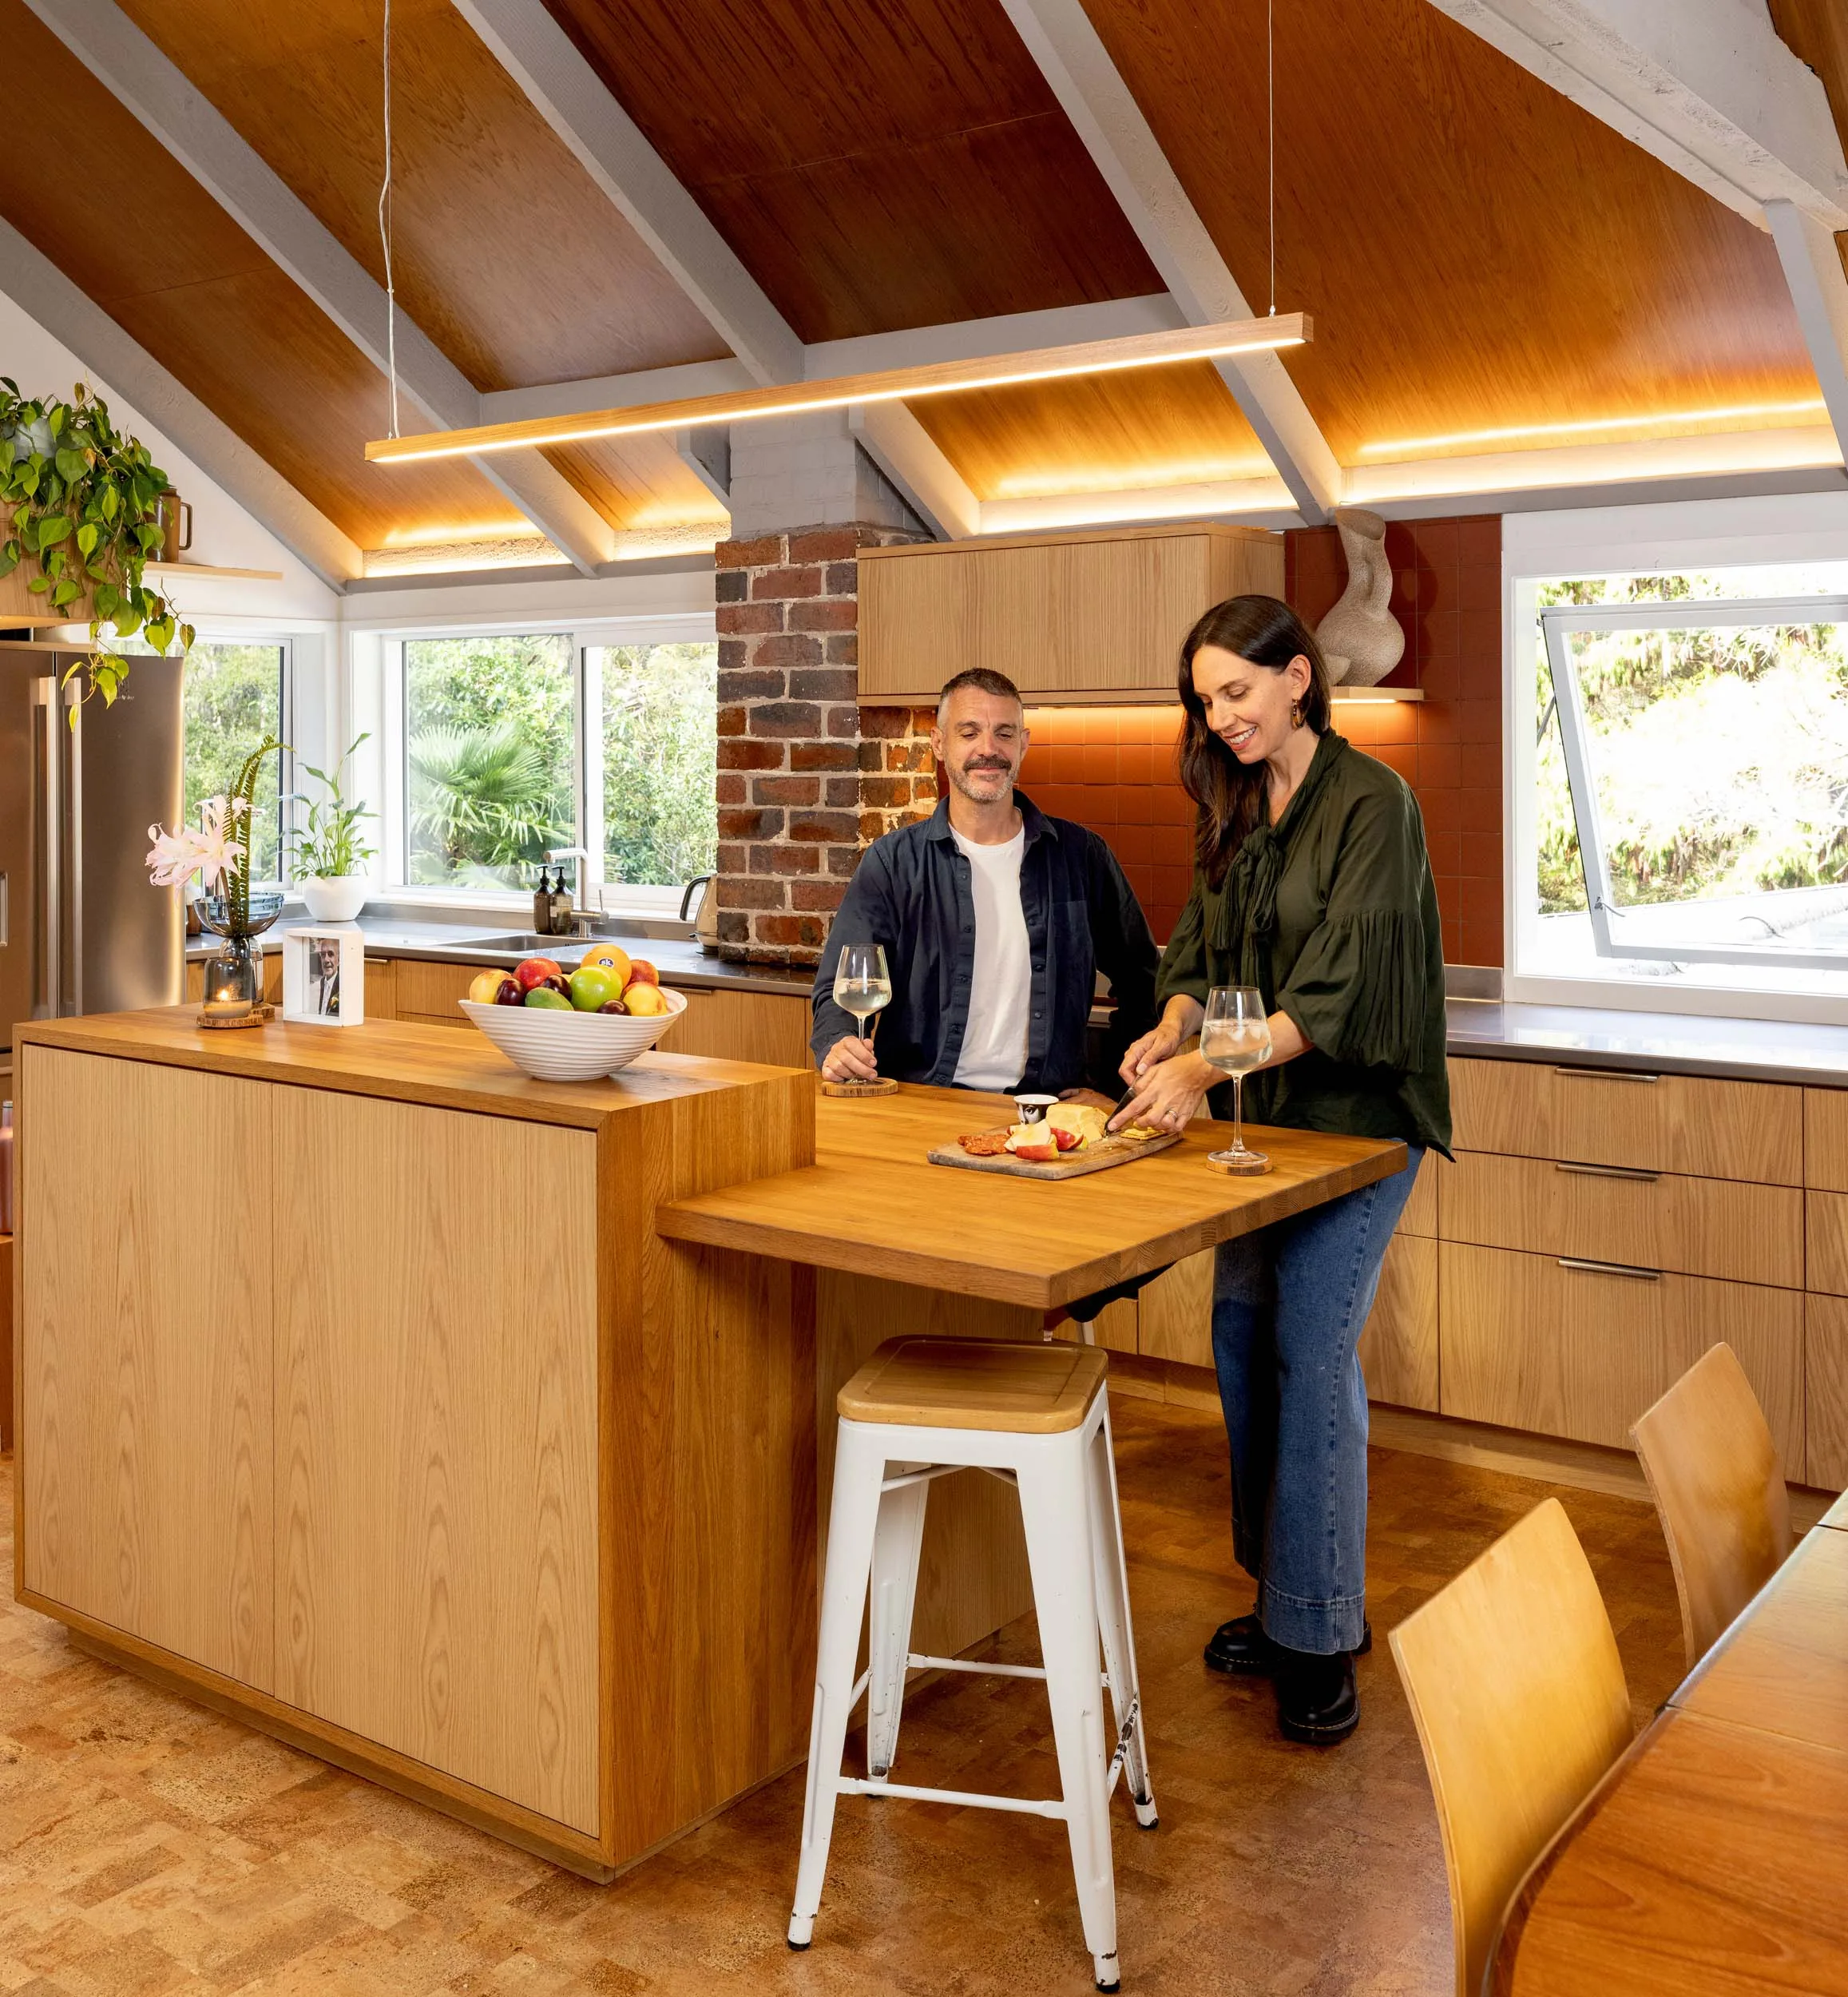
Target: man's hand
850,1059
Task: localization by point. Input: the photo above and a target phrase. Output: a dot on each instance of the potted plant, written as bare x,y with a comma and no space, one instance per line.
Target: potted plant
330,850
81,504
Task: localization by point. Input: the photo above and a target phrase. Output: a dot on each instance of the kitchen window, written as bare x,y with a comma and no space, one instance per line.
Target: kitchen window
233,699
1682,822
516,743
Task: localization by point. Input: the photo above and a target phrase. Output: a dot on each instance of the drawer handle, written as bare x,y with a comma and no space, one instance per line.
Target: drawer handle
1634,1174
1609,1268
1607,1074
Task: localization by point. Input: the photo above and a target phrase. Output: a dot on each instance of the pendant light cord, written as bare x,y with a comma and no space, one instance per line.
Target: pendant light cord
385,235
1271,91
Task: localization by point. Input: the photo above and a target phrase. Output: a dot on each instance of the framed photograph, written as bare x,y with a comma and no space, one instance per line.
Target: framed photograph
324,975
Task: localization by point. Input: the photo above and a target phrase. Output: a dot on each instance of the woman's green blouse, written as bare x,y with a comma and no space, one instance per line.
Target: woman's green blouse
1337,924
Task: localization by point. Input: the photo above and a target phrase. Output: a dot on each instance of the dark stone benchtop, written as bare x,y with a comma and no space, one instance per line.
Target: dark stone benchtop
680,960
1650,1043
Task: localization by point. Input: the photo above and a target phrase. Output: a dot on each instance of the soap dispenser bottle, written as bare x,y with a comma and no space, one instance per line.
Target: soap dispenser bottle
542,906
561,904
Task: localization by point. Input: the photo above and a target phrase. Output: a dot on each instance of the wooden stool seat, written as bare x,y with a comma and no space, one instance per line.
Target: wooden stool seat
1000,1384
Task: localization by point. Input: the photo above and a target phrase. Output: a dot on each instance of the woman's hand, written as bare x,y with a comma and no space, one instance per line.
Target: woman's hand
1171,1094
851,1059
1181,1019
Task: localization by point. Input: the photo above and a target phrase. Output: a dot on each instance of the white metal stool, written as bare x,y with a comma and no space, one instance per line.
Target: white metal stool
1038,1416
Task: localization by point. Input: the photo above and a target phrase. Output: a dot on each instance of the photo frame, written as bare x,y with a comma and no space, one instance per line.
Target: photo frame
324,975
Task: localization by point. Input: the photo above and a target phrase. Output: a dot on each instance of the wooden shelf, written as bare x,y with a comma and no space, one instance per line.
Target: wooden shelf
206,569
1372,696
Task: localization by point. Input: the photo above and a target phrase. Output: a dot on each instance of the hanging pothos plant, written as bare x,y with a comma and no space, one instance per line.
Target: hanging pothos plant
82,505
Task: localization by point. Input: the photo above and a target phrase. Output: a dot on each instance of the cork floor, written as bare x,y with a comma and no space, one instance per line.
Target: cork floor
147,1846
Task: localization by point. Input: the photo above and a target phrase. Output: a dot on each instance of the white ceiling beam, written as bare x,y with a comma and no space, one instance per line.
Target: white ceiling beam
1812,261
1074,61
616,391
987,339
1706,86
610,146
907,454
155,90
40,289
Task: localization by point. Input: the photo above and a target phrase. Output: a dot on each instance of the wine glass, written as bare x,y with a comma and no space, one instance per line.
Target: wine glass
862,985
1236,1037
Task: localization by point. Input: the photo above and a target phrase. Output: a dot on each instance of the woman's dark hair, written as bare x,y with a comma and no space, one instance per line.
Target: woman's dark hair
1228,796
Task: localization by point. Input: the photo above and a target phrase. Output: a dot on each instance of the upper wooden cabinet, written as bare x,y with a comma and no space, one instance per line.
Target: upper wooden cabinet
1090,616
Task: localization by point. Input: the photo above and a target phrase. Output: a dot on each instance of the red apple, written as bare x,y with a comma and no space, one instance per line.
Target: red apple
642,972
1066,1140
511,992
536,970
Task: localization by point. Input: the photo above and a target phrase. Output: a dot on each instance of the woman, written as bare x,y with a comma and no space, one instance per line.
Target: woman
1311,883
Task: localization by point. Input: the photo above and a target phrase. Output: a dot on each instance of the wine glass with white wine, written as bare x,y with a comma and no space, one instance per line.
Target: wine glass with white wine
1235,1038
863,984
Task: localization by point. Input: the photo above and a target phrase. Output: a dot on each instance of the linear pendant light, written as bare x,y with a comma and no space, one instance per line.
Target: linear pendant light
896,384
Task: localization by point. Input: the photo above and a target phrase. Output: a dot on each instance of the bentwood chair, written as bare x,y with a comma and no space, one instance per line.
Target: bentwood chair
1038,1417
1518,1693
1718,1482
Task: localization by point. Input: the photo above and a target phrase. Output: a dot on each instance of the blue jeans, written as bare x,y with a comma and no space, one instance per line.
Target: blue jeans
1290,1303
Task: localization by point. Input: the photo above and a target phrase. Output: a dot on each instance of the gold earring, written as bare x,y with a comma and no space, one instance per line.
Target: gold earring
1295,714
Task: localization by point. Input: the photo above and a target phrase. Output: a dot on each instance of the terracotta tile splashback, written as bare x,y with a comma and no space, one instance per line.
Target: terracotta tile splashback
1112,768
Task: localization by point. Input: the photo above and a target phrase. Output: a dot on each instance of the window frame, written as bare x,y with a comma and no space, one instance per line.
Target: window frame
597,895
1557,622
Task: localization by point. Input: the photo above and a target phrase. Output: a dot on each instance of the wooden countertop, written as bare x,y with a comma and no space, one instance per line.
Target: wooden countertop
444,1066
870,1204
1709,1860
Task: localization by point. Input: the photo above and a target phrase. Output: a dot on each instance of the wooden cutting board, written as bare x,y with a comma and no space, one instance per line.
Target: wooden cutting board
1073,1164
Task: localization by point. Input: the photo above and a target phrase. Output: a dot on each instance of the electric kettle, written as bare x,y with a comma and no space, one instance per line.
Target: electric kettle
706,924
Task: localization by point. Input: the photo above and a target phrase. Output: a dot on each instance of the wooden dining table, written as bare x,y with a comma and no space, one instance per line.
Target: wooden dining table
1709,1862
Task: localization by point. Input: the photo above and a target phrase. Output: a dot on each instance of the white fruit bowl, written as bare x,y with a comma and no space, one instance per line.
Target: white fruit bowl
571,1046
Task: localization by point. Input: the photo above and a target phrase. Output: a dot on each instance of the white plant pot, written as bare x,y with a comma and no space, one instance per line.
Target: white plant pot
337,898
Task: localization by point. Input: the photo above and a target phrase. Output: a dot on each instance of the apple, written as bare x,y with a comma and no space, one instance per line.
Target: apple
547,1000
613,1005
642,972
486,989
532,971
607,957
556,984
590,988
1037,1153
1067,1140
643,1000
510,992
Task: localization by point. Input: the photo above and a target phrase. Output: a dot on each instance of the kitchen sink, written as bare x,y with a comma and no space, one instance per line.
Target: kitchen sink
529,944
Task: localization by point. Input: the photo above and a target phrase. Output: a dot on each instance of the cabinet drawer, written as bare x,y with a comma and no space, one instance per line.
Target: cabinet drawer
1744,1232
769,1027
1828,1242
1825,1138
433,993
1420,1216
1398,1349
1656,1123
1525,1343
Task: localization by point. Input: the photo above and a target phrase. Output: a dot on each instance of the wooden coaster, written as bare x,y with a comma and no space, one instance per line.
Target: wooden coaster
884,1087
1239,1171
257,1016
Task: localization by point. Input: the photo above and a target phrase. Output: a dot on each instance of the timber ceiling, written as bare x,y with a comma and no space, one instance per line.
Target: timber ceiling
1476,251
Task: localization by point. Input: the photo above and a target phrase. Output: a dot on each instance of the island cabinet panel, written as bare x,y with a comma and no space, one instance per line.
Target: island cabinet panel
1752,1130
1826,1139
1176,1313
1528,1342
1092,614
1736,1229
436,1292
148,1286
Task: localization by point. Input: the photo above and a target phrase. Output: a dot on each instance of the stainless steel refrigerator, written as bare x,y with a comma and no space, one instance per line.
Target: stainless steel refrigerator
81,930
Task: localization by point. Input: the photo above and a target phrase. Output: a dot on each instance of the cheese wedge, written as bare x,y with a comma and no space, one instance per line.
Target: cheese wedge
1085,1120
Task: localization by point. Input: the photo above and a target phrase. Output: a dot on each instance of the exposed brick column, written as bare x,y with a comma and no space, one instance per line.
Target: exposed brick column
807,778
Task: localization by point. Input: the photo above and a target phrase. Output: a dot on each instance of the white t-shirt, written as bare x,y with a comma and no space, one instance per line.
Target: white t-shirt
994,1042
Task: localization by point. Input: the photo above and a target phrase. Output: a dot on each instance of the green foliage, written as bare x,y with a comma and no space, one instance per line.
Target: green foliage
82,504
237,820
232,701
660,746
330,844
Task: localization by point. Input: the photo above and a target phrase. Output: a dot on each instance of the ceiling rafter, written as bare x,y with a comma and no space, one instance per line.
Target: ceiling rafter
158,94
611,148
39,288
1072,57
1709,88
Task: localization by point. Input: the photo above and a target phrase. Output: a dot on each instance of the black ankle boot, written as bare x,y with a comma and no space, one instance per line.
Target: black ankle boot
1241,1648
1317,1699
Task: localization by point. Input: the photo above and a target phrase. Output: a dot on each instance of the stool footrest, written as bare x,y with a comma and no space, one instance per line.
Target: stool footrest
915,1660
1025,1806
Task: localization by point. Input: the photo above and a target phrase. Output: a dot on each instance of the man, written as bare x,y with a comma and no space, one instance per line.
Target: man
995,921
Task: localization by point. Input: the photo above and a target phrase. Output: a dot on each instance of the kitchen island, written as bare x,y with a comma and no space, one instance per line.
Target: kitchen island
473,1432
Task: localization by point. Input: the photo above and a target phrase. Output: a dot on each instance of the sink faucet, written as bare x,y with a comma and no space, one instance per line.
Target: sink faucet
556,855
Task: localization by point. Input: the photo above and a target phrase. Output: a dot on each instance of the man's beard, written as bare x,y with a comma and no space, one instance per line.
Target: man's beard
961,780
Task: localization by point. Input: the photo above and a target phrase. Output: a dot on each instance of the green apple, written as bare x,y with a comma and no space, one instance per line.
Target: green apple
592,988
547,1000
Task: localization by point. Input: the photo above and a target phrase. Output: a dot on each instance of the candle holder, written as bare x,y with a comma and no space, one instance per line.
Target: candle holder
234,976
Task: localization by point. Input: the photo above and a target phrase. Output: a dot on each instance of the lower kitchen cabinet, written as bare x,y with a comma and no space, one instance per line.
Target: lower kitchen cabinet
1827,1232
769,1027
1530,1342
1398,1349
432,994
1825,1370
